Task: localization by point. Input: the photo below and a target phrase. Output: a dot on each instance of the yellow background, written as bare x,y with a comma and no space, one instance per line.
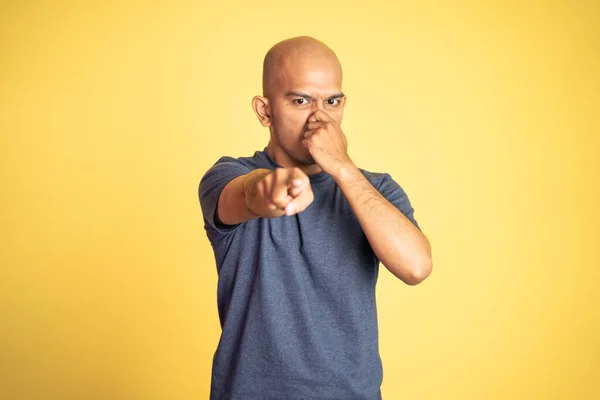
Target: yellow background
485,112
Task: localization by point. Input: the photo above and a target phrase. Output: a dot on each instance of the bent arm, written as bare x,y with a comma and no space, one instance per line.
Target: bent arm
398,243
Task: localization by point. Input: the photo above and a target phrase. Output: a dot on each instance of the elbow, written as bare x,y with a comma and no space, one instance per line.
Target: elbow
419,272
413,268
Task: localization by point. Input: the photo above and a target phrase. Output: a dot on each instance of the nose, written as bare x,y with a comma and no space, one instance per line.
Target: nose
316,105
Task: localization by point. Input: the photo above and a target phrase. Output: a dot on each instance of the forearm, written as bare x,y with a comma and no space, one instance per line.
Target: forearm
397,242
236,198
264,193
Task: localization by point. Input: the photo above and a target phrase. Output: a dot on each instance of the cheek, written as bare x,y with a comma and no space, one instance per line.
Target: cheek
337,115
286,114
295,120
290,125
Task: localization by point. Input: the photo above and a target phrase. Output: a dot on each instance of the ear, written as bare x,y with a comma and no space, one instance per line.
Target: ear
261,108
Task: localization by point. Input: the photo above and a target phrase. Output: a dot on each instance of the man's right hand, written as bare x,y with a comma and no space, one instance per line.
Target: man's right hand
283,191
264,193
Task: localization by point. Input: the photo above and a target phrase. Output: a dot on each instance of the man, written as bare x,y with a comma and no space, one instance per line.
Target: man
298,232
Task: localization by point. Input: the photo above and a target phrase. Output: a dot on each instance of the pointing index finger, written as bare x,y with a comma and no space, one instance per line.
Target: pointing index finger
297,177
297,181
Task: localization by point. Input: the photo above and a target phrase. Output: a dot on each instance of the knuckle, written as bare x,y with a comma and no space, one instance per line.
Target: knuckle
263,188
260,188
278,199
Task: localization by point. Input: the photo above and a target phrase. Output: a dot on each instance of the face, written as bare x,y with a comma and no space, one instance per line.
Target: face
301,88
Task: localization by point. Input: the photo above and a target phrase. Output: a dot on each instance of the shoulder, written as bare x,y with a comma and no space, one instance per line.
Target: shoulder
377,179
226,169
393,192
258,160
384,183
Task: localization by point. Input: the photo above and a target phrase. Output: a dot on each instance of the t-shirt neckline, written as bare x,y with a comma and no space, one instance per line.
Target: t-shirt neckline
318,177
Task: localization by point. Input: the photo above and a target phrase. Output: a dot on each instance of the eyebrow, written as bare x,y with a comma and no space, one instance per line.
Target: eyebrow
304,95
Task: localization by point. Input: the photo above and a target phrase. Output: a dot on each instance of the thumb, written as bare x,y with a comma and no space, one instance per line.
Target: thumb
297,181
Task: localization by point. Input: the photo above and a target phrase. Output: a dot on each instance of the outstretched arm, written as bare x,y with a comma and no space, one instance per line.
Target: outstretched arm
264,193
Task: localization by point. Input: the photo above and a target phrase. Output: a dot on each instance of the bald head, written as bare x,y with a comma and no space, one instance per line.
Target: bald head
295,56
301,77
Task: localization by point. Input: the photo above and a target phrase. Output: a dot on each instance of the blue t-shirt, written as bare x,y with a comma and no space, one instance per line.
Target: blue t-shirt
296,294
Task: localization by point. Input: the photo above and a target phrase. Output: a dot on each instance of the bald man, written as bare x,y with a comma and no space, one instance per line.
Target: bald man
298,232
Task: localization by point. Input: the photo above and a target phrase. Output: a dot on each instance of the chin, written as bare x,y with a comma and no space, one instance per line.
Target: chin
301,156
306,160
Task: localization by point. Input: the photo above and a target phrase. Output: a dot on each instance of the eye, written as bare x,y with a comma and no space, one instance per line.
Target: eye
301,101
333,102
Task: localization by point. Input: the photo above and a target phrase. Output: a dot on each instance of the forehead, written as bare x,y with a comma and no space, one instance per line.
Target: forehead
309,74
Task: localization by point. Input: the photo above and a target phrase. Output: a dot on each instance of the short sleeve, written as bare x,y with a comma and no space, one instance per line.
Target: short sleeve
211,186
396,195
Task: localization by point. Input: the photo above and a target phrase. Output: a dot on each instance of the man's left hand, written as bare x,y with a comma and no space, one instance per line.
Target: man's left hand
326,142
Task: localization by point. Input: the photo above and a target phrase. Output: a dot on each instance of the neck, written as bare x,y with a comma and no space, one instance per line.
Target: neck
282,158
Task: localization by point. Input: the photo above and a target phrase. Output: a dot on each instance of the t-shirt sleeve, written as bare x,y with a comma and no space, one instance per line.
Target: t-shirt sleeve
396,195
211,186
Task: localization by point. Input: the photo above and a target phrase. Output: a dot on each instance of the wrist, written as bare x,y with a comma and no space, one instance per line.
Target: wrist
345,172
250,192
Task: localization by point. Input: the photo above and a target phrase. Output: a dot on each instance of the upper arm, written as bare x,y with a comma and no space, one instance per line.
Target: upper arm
390,189
231,207
213,184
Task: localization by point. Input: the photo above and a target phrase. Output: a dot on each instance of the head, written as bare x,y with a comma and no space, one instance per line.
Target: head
300,75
